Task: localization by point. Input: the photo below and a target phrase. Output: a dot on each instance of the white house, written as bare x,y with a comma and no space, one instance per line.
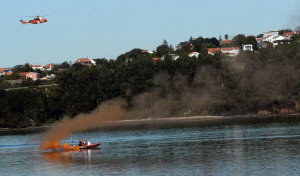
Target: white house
232,51
49,67
37,67
147,52
192,54
247,47
86,61
269,36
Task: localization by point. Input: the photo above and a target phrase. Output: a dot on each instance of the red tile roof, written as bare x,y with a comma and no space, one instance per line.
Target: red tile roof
288,34
1,69
48,66
36,66
226,42
213,50
8,73
145,51
231,48
155,59
83,60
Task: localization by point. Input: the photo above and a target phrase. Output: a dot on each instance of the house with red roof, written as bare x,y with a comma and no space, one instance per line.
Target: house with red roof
86,61
288,34
147,52
225,42
230,51
155,59
192,54
48,67
37,67
32,75
2,71
212,51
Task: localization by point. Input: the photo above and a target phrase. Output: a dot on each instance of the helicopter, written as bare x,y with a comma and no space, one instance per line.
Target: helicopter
36,20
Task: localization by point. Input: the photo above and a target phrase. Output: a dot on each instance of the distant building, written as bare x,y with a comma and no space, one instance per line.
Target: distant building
174,56
269,36
192,54
230,51
16,67
288,34
86,61
189,43
271,33
49,67
2,71
48,77
225,42
147,52
37,67
155,59
247,47
281,40
32,75
212,51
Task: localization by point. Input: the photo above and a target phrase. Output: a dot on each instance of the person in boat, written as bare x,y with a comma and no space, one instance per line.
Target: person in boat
85,142
80,142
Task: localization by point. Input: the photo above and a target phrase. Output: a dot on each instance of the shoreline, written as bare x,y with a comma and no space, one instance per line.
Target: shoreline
172,120
206,120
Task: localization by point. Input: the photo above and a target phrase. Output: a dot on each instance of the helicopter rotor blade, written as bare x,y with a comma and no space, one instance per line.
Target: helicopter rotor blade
38,15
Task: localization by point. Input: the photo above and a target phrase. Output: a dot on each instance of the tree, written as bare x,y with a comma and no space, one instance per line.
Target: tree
239,40
165,42
25,68
163,49
251,40
226,36
64,65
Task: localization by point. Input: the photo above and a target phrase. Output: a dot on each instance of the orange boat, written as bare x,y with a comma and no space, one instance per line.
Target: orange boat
89,146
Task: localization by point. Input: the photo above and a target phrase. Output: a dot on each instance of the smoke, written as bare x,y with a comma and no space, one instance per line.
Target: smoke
109,111
172,97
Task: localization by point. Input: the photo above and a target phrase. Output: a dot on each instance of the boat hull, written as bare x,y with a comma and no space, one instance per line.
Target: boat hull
91,146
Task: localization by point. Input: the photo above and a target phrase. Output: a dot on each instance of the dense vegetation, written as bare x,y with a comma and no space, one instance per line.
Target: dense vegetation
267,79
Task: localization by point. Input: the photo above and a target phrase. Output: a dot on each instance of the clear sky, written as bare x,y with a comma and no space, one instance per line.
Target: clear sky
108,28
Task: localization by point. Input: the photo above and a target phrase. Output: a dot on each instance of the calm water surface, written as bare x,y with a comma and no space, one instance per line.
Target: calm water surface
240,148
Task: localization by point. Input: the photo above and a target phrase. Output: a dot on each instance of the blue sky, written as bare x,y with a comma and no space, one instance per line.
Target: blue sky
109,28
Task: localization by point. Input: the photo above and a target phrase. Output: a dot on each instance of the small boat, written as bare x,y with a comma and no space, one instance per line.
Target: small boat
89,146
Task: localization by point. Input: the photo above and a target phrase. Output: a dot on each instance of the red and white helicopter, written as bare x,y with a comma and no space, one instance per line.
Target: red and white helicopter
36,20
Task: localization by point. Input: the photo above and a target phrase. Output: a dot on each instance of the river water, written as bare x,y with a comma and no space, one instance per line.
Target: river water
252,147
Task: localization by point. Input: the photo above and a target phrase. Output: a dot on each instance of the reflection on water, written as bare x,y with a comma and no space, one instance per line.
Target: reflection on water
78,157
239,148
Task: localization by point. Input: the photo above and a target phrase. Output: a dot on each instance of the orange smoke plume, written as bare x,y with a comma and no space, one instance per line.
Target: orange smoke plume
110,111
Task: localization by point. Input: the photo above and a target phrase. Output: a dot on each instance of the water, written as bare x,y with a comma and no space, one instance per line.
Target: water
240,148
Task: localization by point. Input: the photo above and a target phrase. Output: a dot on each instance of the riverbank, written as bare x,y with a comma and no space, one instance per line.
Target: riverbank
204,120
200,120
